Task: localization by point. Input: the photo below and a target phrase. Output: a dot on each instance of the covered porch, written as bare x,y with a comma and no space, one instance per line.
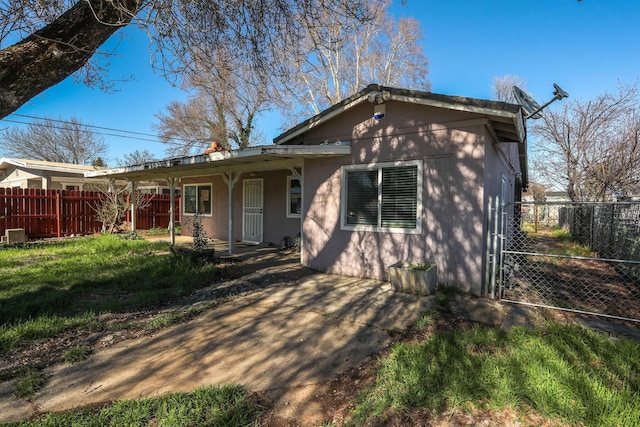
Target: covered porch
219,175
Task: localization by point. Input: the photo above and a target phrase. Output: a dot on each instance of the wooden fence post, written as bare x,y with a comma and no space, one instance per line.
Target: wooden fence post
59,214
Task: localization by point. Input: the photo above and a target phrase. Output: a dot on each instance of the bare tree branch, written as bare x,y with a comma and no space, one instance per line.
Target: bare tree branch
53,53
591,148
339,59
223,108
502,87
183,34
136,157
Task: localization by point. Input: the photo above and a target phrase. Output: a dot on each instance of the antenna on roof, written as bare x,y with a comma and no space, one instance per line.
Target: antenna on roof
530,106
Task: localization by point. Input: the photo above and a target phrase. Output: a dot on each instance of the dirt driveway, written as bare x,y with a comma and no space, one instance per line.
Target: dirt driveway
283,341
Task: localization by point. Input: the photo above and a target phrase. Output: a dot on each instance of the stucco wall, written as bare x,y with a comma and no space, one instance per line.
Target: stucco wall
17,178
451,147
501,160
276,225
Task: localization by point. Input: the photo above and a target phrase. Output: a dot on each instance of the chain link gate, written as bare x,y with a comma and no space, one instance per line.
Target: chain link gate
580,257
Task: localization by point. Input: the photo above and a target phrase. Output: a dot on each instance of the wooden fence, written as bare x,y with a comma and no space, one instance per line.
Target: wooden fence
58,213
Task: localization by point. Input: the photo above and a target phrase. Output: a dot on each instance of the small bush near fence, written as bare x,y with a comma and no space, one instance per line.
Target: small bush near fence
58,213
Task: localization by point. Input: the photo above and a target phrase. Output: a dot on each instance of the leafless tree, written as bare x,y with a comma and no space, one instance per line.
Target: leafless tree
536,191
136,157
54,39
339,59
591,148
502,87
54,140
223,107
112,207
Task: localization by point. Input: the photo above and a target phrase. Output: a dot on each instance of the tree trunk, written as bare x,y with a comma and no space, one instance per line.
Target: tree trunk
55,52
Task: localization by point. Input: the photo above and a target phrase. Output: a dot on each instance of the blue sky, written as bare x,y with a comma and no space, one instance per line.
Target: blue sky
586,47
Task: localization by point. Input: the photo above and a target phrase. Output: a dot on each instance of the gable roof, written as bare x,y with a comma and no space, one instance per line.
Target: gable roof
507,118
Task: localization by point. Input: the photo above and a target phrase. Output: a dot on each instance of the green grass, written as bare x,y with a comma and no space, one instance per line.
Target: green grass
561,233
49,288
76,354
157,231
210,406
425,320
28,383
559,241
564,372
421,267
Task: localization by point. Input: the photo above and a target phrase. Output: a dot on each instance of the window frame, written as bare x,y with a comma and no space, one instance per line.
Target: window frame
184,199
288,207
379,167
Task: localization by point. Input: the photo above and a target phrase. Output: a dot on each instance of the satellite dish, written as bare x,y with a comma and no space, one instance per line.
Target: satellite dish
530,106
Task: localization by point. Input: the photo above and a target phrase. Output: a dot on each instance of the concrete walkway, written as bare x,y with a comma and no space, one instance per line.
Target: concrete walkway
277,340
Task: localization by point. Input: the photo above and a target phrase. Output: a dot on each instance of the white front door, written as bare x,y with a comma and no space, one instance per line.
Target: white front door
252,205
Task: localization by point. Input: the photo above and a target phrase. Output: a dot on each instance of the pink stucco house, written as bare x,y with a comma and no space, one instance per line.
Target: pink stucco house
386,175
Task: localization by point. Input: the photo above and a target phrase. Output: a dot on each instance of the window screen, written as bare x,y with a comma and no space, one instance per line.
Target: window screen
362,197
383,197
399,197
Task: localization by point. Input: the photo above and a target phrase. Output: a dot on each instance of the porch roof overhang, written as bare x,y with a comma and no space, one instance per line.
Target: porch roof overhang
253,159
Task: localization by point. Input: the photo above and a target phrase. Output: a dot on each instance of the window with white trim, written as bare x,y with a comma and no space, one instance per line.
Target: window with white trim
197,198
382,197
294,197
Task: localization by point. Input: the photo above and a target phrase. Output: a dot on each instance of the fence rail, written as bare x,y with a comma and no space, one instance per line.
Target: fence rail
57,213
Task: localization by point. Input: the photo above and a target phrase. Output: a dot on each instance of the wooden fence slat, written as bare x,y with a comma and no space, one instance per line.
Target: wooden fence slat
57,213
2,211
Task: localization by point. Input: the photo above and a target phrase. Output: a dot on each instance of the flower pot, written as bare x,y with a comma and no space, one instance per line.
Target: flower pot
415,279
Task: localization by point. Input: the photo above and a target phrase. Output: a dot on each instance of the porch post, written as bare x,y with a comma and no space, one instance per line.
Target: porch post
134,189
297,173
231,178
172,210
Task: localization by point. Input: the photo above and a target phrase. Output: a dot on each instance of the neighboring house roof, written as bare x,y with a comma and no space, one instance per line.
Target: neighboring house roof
6,163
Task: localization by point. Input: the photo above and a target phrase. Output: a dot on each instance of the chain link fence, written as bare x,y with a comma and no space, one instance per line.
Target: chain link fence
582,257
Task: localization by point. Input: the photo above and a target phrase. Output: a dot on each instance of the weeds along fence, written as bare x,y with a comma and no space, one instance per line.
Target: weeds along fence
611,229
58,213
582,257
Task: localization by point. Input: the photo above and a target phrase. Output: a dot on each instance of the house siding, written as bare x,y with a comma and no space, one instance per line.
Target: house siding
452,150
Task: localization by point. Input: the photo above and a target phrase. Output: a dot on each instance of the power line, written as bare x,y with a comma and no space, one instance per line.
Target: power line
87,125
83,130
122,133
